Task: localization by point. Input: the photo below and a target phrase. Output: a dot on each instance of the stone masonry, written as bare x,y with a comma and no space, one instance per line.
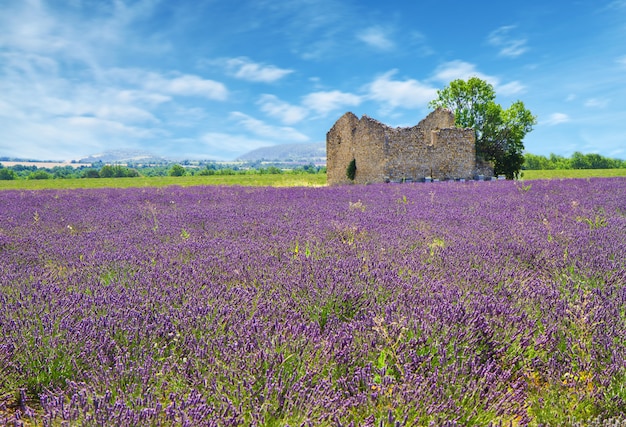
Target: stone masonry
434,148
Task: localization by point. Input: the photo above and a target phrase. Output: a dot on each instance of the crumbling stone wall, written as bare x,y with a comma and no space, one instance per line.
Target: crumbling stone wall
434,148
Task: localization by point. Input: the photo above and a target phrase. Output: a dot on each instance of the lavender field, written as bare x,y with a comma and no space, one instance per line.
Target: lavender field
381,305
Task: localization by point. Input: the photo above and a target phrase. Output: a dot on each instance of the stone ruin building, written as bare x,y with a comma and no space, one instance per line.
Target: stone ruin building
434,149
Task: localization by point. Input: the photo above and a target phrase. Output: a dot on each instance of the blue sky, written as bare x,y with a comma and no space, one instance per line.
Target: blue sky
213,79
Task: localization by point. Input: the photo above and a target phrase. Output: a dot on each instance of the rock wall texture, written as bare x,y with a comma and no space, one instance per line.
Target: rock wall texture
434,148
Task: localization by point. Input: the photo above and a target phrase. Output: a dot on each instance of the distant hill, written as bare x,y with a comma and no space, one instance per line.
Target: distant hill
307,153
124,156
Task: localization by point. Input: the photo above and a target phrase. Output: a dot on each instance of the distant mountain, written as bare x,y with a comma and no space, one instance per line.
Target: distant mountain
124,156
308,153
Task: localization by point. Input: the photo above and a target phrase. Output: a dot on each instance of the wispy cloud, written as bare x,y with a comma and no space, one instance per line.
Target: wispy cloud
453,70
42,94
508,44
246,69
616,5
509,89
407,93
118,107
597,103
419,43
621,61
310,29
187,85
172,83
556,119
376,37
76,34
107,127
262,129
230,145
70,137
325,102
321,103
285,112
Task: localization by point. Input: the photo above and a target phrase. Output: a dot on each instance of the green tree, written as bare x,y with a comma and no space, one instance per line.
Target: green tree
117,171
580,161
559,162
91,173
7,174
107,171
499,132
536,162
62,172
177,170
597,161
39,175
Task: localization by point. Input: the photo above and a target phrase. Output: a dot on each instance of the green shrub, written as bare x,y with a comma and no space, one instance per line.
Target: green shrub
351,170
7,174
39,175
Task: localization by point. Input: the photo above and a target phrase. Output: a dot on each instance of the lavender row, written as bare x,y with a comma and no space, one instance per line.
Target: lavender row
459,303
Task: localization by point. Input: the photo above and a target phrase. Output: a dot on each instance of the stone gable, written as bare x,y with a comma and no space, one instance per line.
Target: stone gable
433,148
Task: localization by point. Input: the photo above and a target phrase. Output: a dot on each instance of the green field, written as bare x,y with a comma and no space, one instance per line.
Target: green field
275,180
572,173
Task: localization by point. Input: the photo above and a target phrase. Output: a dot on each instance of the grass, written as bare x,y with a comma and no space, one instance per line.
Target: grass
572,173
256,180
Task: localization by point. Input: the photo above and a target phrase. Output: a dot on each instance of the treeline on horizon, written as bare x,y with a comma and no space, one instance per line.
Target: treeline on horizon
121,171
578,160
531,162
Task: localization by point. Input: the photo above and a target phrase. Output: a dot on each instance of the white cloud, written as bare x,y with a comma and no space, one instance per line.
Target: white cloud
103,127
227,146
511,88
149,98
376,37
621,61
508,45
400,93
322,103
596,103
70,137
79,116
454,70
126,113
260,128
39,93
29,26
79,33
556,119
325,102
245,69
174,83
186,85
285,112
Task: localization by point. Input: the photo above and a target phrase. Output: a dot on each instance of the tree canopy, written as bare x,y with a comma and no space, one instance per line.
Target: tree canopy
177,170
499,132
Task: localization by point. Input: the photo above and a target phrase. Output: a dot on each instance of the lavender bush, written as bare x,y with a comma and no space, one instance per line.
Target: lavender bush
416,304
